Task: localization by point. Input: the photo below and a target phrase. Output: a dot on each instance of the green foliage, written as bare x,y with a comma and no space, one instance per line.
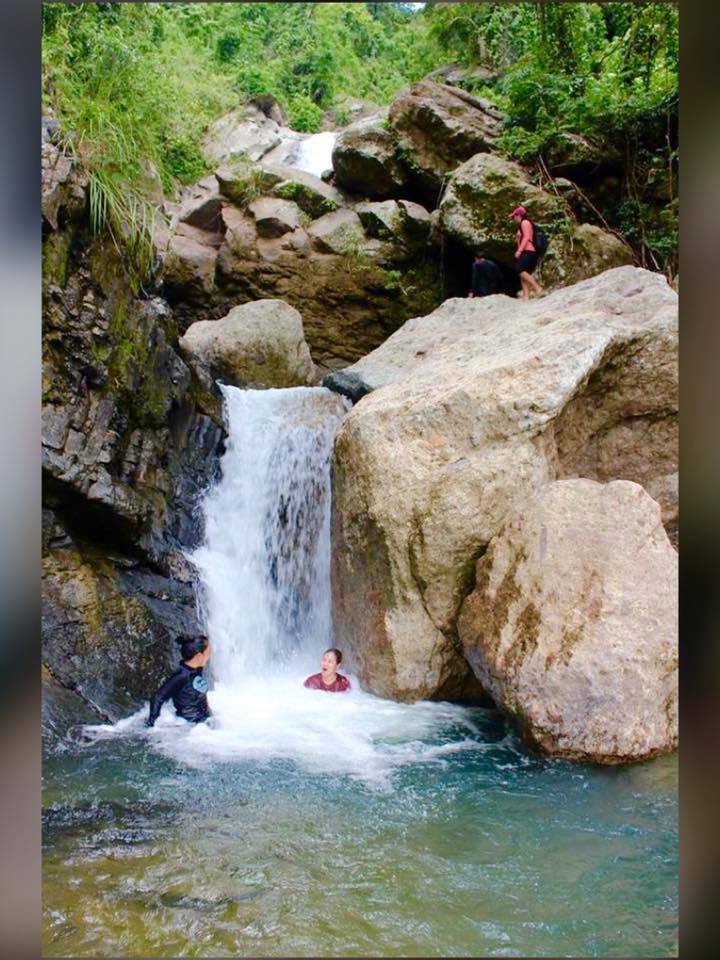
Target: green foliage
305,115
142,82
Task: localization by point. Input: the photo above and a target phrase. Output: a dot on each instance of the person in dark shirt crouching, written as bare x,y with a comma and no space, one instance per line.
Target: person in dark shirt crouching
487,277
187,686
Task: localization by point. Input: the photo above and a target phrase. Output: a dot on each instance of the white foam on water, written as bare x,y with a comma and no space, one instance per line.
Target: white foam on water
275,717
314,153
265,571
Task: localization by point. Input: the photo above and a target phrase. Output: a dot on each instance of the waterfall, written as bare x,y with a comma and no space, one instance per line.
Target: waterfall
264,568
265,563
314,153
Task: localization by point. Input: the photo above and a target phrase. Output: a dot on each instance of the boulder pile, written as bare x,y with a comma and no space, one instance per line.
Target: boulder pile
467,416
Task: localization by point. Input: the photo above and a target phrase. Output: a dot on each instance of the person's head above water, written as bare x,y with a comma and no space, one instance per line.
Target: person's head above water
331,660
191,647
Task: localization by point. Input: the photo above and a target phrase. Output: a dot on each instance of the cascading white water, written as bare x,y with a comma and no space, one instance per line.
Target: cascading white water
314,153
265,572
265,565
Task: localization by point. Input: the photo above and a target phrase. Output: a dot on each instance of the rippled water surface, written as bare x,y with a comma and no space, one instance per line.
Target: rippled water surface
384,830
306,824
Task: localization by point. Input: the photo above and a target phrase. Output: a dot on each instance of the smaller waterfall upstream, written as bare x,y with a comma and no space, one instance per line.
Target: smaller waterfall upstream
315,153
265,565
309,152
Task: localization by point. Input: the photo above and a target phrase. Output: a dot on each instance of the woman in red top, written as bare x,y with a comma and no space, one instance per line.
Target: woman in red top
328,678
526,257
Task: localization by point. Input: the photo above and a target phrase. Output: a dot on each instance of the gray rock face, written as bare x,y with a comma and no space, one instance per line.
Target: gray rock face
246,132
259,344
274,217
572,624
437,127
338,232
311,194
63,184
131,439
479,197
475,208
399,220
364,160
110,629
474,409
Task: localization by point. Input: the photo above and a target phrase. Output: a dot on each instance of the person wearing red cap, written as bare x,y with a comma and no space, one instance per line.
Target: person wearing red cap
526,257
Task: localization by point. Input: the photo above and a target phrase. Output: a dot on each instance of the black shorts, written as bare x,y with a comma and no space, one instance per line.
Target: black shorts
526,262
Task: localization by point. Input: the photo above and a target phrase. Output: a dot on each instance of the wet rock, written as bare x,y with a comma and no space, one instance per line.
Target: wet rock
109,633
131,439
364,160
572,624
436,127
256,344
473,409
350,385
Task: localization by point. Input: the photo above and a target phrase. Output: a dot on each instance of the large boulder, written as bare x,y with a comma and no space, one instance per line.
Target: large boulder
365,162
592,250
246,132
259,344
399,220
200,205
572,624
310,193
352,290
338,232
189,263
274,217
469,411
475,209
576,156
479,198
242,182
437,127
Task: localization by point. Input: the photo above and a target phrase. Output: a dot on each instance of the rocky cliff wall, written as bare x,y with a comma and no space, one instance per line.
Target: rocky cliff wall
131,438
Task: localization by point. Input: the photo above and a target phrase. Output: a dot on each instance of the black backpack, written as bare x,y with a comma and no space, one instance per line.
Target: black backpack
541,240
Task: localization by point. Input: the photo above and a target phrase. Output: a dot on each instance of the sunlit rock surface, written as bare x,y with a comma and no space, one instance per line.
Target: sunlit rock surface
470,411
572,623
